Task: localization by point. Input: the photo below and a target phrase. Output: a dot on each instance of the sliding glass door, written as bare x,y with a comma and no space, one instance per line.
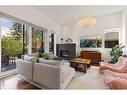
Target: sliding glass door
13,43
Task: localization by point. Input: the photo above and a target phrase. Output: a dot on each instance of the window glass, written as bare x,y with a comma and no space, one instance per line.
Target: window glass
37,40
14,43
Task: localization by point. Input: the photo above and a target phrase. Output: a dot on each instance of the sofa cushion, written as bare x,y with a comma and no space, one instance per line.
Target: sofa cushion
67,75
33,55
29,58
66,71
51,56
50,62
48,76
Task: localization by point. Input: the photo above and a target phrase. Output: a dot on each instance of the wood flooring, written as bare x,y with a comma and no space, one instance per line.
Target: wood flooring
14,82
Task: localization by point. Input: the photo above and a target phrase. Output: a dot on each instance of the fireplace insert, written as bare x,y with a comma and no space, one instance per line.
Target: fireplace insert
65,53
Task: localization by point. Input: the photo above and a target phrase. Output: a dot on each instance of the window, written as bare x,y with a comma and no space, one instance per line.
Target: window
14,43
37,40
111,37
51,42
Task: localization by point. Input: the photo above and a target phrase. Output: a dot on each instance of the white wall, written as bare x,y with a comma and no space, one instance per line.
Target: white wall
125,36
103,22
32,15
112,36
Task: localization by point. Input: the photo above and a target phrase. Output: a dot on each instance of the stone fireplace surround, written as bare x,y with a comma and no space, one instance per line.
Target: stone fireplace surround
66,51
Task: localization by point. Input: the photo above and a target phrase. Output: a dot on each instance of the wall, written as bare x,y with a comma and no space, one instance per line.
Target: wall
112,36
125,34
32,15
103,22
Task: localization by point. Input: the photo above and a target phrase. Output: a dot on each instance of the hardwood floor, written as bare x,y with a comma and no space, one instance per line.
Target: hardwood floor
14,82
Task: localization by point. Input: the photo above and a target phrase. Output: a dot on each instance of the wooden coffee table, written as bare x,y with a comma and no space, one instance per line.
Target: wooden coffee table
77,61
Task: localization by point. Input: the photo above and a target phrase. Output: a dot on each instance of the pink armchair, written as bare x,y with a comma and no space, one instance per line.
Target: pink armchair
115,74
116,82
120,66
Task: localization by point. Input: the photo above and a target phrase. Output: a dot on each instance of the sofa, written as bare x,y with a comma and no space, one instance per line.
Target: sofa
47,74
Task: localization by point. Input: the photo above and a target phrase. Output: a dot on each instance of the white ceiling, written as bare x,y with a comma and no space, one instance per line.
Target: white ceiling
68,14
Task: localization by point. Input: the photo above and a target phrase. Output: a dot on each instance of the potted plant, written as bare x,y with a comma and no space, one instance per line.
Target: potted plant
116,52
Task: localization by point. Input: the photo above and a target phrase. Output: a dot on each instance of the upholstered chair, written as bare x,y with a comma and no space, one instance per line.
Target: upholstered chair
115,74
120,66
116,82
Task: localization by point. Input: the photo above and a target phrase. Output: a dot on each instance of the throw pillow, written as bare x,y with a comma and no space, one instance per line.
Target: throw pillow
29,58
52,56
47,56
50,62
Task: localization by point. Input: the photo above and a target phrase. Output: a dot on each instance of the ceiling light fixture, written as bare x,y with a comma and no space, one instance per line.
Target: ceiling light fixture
86,21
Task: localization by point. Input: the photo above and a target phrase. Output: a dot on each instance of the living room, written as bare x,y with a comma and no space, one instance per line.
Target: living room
61,33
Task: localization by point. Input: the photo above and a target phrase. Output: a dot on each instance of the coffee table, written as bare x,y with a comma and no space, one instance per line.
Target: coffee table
77,61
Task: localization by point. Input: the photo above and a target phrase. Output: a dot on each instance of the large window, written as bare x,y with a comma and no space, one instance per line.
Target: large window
37,40
14,43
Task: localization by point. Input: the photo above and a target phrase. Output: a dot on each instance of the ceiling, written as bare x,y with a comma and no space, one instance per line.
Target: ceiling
69,14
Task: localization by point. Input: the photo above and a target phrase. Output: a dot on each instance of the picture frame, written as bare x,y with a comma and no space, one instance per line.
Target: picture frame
91,42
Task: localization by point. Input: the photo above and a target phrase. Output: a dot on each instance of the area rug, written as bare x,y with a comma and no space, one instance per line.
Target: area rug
90,80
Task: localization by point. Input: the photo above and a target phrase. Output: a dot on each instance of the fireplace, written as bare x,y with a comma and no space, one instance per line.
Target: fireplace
66,51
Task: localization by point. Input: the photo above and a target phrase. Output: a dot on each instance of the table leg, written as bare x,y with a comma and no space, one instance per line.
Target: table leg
76,65
88,66
85,68
71,64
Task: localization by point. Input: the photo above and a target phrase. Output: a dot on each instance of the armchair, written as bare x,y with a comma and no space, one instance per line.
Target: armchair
116,82
120,66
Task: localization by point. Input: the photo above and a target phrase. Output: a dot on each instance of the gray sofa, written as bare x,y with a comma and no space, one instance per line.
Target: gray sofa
45,74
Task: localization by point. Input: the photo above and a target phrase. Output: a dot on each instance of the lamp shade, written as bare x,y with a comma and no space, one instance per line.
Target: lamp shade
86,21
